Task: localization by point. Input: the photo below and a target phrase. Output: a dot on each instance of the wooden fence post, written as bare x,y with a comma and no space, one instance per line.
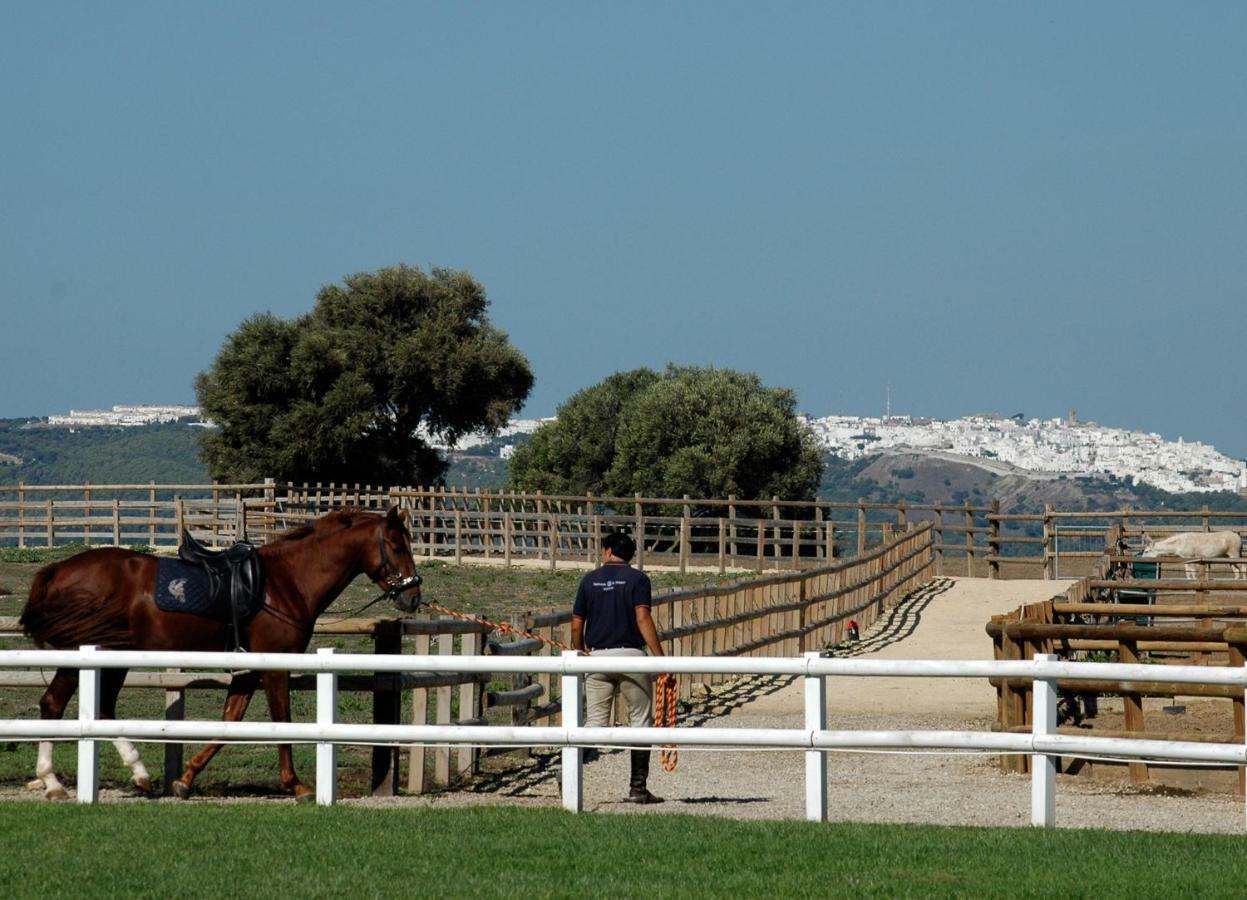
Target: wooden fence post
969,540
1128,652
993,542
419,716
939,540
731,518
51,526
86,509
151,514
175,711
388,638
819,550
116,522
470,644
1238,658
685,530
861,526
458,535
441,755
21,514
638,530
761,542
595,534
1049,557
541,523
778,531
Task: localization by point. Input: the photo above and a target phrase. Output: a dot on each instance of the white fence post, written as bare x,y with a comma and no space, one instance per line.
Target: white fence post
88,750
815,760
573,775
1043,766
326,753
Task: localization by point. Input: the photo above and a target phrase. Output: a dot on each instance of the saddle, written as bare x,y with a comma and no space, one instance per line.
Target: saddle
235,580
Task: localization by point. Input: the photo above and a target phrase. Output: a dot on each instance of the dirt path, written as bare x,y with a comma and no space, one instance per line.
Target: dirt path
944,620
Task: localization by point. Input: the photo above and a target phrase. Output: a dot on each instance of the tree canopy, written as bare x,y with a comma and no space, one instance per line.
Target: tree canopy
705,432
355,389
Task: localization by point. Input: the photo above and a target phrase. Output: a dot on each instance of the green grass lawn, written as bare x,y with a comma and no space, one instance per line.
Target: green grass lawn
208,850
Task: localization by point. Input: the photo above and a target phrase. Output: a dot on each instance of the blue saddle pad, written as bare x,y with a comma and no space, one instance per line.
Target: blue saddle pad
185,589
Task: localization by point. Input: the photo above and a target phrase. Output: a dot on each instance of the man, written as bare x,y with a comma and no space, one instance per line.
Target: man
611,617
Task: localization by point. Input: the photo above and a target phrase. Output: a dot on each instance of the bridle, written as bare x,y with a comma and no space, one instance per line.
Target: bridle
388,576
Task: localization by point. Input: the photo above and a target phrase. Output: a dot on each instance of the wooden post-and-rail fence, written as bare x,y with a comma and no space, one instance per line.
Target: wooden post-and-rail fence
717,534
776,616
1132,620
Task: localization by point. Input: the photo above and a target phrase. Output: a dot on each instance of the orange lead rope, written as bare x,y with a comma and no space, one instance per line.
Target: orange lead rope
664,717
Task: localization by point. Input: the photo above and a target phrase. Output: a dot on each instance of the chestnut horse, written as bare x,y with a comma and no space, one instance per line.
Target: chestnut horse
106,597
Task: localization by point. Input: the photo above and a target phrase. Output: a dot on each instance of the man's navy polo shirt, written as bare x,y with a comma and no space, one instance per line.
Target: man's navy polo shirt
607,600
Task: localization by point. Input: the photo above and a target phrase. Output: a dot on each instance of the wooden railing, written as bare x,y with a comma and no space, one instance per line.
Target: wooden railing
783,615
687,532
1090,620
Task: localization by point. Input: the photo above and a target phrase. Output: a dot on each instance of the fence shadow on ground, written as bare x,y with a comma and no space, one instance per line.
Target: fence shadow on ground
900,622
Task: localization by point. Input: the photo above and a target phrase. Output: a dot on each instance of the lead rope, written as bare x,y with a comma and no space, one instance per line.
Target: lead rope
664,693
665,717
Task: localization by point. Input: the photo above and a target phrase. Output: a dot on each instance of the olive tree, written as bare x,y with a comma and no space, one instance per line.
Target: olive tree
357,388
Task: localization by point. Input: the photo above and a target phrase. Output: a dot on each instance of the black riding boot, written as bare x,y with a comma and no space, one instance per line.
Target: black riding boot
638,793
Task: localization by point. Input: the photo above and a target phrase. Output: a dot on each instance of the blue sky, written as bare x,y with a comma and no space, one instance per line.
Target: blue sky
990,206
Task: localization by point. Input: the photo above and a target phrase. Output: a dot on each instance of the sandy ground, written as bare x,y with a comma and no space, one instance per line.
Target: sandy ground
944,620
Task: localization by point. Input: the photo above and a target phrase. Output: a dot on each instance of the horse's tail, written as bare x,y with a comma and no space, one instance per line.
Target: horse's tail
32,620
69,616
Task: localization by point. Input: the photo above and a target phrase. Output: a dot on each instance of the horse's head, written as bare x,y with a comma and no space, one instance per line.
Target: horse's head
393,568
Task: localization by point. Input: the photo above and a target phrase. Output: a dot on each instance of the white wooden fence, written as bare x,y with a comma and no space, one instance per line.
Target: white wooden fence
814,738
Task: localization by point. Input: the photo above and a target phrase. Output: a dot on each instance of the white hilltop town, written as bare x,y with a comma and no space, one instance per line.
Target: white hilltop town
125,416
1041,448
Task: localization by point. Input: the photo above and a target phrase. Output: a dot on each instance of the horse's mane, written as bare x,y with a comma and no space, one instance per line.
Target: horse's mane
339,519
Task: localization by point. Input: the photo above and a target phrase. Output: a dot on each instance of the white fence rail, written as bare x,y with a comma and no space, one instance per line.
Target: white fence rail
814,737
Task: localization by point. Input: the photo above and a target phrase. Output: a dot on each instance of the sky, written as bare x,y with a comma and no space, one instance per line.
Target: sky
990,207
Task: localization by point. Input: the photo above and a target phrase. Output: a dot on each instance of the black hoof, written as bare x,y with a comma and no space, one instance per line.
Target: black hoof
181,790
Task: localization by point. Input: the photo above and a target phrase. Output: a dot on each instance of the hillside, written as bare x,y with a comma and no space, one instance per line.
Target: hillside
168,454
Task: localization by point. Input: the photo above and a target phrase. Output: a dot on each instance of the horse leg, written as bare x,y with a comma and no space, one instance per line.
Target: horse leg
277,689
52,706
236,702
111,681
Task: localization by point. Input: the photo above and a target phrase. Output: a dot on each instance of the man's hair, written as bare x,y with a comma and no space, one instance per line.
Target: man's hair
620,544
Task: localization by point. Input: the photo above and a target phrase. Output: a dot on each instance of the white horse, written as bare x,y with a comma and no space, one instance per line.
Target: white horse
1193,545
